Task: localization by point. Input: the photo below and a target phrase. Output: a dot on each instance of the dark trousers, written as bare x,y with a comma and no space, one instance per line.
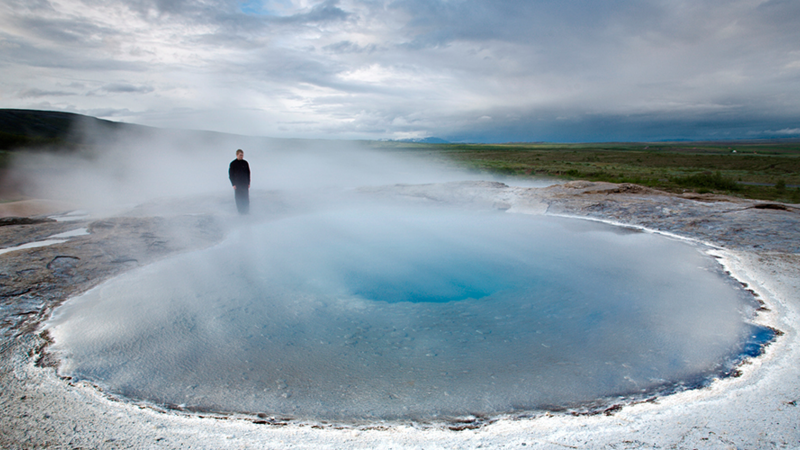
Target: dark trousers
242,194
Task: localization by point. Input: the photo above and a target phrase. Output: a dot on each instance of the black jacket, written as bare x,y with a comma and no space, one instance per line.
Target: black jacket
239,173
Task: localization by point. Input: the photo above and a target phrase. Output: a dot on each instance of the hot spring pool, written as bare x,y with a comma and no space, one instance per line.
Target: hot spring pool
378,313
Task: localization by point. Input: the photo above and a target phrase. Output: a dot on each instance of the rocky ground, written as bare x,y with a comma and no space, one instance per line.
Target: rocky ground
759,243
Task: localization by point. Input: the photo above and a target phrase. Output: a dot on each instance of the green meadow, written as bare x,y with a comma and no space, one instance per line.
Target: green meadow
767,170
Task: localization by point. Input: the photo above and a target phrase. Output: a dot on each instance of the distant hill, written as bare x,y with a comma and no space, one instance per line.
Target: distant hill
23,128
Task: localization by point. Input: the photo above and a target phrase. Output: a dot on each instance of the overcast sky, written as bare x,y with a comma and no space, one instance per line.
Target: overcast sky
461,70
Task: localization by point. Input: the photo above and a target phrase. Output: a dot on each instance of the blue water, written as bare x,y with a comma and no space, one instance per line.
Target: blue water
375,313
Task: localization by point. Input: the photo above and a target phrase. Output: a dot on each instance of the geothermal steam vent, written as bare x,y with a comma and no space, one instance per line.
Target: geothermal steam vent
370,314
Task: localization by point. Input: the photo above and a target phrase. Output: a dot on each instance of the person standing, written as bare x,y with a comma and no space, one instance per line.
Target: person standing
239,174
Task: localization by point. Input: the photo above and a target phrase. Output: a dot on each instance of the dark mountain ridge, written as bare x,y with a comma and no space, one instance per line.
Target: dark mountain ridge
23,128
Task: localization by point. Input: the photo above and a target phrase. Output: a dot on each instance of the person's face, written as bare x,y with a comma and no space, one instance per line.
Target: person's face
239,155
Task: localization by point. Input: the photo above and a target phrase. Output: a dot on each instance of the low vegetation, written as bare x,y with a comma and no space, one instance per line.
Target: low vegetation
768,170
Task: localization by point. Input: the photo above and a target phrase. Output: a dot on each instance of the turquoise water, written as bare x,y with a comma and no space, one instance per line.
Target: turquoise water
374,313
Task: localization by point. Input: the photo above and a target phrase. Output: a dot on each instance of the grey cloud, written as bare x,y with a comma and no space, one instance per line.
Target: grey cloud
23,52
126,88
172,6
223,24
287,68
440,22
321,12
572,30
350,47
203,10
39,18
226,25
281,65
34,93
66,32
783,12
226,13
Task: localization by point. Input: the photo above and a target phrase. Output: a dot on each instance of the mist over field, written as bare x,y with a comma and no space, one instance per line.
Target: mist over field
122,168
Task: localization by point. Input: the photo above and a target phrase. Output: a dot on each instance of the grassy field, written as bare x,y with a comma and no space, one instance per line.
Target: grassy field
758,170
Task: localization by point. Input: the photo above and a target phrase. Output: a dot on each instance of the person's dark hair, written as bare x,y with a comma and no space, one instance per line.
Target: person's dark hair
239,151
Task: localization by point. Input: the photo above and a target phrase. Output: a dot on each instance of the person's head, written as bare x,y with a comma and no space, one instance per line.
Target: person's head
239,154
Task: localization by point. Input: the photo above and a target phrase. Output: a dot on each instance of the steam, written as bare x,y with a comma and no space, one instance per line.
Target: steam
120,168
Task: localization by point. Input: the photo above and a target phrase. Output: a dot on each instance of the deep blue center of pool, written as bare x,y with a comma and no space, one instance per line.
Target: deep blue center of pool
432,277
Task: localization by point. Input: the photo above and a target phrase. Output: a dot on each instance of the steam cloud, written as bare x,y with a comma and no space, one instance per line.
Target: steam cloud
122,168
